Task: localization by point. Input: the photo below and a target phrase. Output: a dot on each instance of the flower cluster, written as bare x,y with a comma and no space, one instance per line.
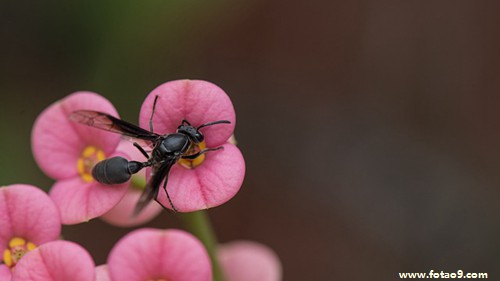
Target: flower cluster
28,218
67,151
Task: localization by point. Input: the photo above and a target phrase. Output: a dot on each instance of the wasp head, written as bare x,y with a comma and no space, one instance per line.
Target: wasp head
193,133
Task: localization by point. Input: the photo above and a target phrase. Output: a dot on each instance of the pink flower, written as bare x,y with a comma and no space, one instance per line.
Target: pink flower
6,274
122,213
101,273
152,254
66,151
28,218
56,261
249,261
214,177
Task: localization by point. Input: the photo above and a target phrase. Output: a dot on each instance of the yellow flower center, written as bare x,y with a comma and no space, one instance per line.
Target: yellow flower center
193,163
17,248
90,156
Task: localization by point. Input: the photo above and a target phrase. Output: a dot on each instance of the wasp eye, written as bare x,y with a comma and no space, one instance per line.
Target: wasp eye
199,136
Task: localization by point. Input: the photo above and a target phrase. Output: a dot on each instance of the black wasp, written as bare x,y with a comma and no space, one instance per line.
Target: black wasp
166,151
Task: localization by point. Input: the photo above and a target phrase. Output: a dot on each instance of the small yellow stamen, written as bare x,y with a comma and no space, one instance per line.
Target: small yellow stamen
87,177
16,241
18,247
88,151
193,163
30,246
7,258
90,156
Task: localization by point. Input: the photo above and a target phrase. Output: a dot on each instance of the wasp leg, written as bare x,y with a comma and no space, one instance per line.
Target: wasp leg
158,201
193,156
141,150
168,197
161,204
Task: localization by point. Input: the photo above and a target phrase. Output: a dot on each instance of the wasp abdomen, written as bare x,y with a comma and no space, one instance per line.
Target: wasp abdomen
115,170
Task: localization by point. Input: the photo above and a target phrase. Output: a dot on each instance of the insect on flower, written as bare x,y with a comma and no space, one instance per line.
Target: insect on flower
166,151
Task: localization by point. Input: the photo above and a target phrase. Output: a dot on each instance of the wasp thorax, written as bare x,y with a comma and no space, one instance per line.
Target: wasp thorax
193,163
16,249
90,156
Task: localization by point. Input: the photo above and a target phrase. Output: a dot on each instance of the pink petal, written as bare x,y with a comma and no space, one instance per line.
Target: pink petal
197,101
55,261
27,212
121,214
146,254
58,142
101,273
249,261
5,273
130,151
80,201
211,184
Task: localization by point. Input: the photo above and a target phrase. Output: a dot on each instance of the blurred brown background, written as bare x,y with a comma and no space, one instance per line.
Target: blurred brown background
370,129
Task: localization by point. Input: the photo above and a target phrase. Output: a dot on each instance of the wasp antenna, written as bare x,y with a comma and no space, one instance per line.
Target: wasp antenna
152,114
213,123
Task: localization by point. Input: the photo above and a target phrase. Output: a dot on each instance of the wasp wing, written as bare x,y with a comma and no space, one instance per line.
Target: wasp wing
153,186
110,123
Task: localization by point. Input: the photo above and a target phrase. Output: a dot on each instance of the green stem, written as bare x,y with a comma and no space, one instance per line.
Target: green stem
198,223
